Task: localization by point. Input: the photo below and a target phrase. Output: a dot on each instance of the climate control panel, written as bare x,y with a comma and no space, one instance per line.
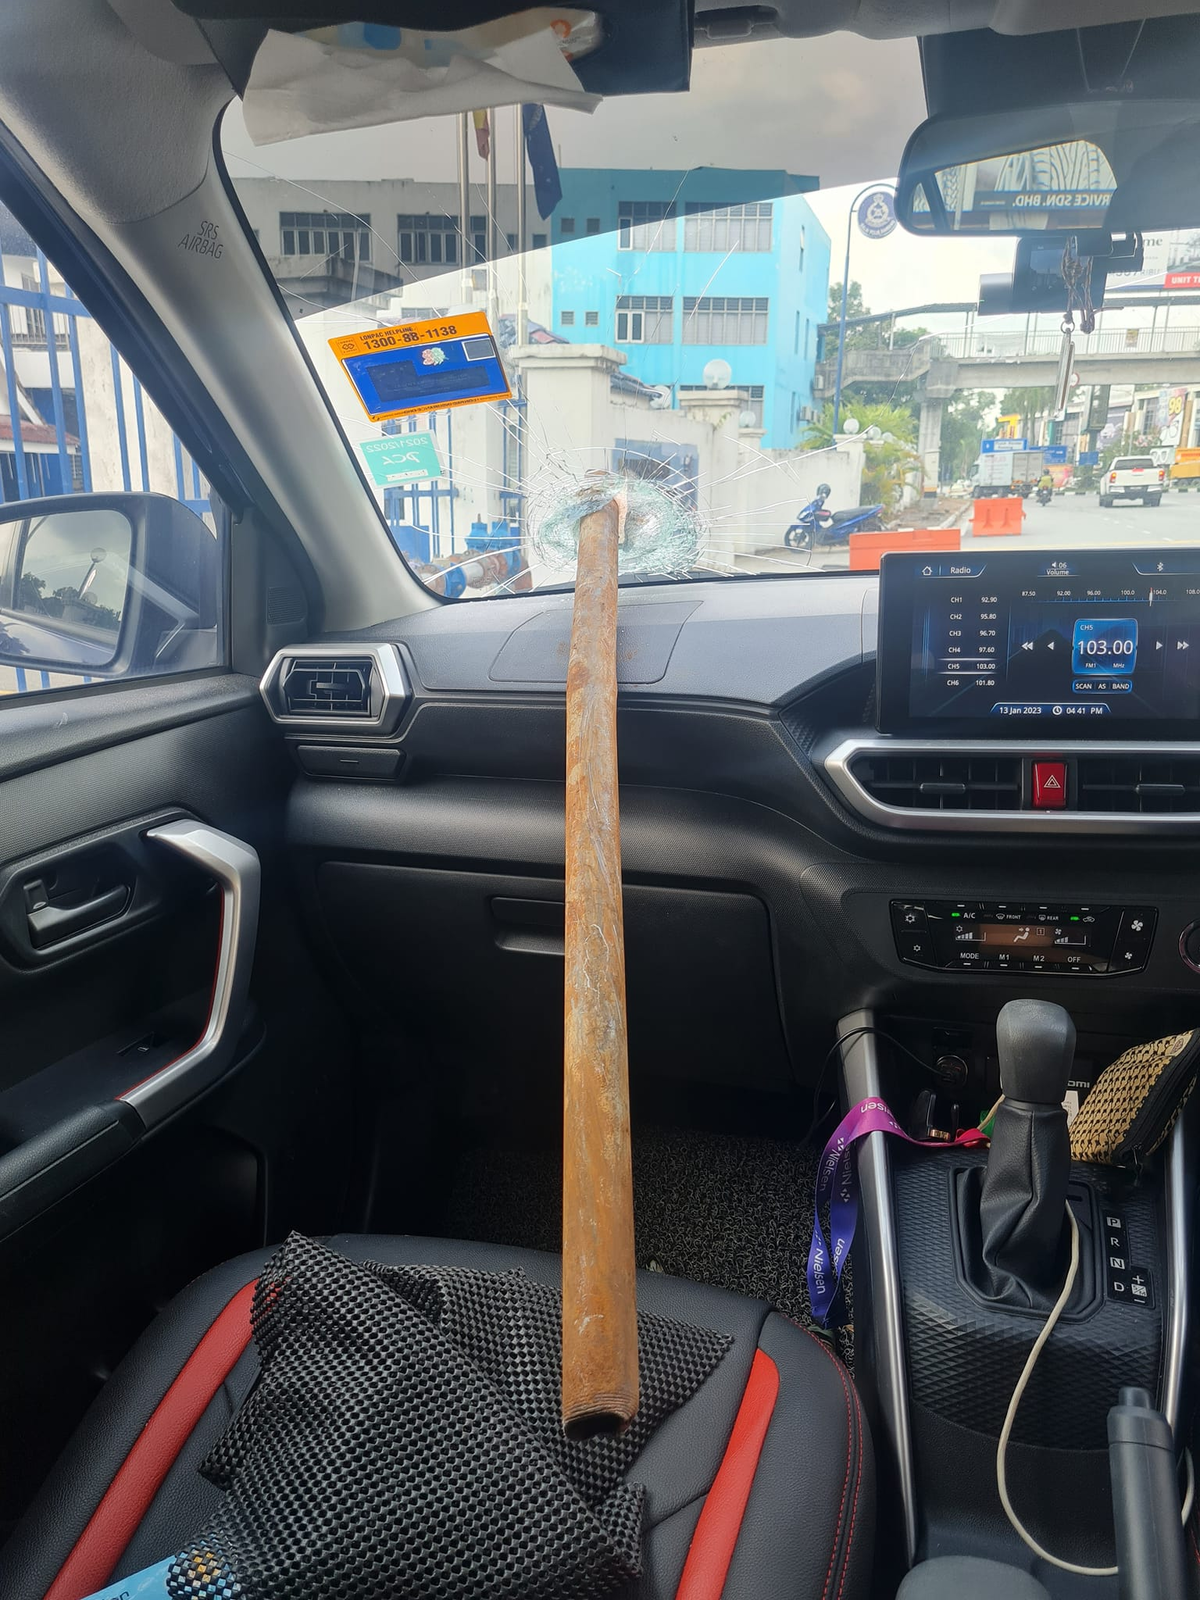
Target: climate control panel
1022,936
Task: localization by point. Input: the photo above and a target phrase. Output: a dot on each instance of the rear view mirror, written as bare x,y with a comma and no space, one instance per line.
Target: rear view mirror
102,586
1100,164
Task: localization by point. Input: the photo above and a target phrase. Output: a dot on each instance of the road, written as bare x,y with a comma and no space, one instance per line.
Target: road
1067,520
1072,519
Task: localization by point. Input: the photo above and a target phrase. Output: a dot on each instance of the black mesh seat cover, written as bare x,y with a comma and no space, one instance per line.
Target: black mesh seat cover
404,1438
800,1525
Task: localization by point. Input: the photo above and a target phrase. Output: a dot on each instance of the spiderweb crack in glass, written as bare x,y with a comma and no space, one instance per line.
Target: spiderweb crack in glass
663,533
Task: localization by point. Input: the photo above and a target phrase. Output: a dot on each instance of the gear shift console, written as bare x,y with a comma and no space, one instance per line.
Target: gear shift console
1022,1206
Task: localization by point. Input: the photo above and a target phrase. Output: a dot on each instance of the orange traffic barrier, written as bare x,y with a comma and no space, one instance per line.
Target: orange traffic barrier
995,519
866,548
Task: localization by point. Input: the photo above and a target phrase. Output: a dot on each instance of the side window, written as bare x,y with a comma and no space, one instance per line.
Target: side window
95,583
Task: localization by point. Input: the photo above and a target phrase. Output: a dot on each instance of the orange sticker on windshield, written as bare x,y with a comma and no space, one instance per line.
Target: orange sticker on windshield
423,366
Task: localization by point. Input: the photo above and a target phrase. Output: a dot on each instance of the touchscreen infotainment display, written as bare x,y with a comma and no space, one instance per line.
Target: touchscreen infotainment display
1107,641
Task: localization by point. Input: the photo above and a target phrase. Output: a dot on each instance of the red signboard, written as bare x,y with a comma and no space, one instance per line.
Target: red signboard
1182,280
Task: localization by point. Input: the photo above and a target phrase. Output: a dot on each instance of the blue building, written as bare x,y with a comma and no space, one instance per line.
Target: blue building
678,268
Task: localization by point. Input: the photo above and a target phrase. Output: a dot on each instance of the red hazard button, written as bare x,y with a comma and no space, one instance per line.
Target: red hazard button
1049,785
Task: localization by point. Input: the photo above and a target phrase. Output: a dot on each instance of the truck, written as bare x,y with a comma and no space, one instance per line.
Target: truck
1007,472
1133,477
1185,470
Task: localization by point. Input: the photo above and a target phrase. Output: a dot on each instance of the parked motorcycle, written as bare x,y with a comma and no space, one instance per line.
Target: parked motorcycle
1044,496
815,528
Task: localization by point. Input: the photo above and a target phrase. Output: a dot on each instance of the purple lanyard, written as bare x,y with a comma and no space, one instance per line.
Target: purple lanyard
837,1188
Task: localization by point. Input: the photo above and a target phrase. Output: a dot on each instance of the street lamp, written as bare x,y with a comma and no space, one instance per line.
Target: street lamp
854,204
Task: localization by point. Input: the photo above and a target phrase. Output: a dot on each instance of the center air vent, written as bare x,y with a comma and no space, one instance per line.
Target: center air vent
941,783
332,688
1136,783
326,686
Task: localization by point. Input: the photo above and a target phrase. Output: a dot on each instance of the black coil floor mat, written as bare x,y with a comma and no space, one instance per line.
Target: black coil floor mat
734,1211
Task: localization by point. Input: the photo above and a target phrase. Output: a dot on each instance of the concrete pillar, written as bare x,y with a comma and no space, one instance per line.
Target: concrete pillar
929,435
720,495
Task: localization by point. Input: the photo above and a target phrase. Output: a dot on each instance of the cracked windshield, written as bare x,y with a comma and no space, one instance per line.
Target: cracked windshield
706,306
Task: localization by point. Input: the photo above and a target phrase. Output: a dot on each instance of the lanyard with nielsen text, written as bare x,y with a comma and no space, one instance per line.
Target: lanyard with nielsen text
837,1188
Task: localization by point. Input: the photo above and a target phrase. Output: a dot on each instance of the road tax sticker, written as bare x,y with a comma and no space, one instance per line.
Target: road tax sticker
423,366
403,458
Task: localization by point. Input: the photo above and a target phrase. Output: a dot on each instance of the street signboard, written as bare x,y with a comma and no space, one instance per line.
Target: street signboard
402,458
1089,458
423,366
877,214
999,446
1055,455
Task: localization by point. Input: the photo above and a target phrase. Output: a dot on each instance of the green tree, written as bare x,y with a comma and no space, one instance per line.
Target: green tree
1028,404
963,423
888,457
854,306
896,420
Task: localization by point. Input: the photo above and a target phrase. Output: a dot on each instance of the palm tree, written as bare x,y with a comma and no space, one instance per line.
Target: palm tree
896,420
889,456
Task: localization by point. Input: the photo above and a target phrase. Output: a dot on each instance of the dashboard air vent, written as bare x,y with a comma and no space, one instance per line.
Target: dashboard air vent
1138,783
332,687
941,783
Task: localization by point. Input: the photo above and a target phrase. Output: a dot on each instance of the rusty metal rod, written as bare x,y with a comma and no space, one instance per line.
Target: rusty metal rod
600,1363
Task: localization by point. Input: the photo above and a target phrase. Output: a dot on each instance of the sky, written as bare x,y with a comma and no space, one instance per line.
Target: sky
839,108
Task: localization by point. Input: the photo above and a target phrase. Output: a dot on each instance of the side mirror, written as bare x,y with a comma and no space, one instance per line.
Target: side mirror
105,586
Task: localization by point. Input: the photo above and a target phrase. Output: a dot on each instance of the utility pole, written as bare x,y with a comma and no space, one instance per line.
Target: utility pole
522,236
464,207
841,355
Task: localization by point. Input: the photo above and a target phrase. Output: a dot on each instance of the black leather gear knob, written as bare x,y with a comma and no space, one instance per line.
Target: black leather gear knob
1022,1208
1035,1041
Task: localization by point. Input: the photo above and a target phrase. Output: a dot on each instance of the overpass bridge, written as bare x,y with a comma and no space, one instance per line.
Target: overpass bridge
977,358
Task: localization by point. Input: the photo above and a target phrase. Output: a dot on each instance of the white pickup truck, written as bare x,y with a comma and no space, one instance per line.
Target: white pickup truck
1133,478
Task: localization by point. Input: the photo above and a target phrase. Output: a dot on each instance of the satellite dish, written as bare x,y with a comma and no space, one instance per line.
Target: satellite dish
746,419
851,425
660,399
717,374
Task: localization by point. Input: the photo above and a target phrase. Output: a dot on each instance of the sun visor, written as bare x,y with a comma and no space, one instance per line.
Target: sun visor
623,47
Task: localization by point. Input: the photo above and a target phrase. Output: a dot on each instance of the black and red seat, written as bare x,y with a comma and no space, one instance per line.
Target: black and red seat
762,1485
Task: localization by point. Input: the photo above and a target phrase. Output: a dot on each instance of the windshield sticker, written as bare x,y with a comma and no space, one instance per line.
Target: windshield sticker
423,366
403,458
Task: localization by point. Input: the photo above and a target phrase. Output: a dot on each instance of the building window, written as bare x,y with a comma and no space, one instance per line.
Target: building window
728,228
591,319
567,318
803,243
512,240
566,226
539,241
428,241
646,225
645,319
592,225
325,233
479,237
807,334
724,319
796,340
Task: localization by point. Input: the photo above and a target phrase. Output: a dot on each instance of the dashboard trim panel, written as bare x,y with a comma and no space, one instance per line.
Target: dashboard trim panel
838,761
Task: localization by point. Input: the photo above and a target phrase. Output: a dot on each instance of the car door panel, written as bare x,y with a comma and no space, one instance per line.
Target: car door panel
122,1193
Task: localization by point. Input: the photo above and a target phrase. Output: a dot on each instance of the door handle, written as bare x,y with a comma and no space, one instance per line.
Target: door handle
49,923
235,866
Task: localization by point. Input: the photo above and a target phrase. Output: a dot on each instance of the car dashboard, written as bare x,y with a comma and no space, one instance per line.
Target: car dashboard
776,846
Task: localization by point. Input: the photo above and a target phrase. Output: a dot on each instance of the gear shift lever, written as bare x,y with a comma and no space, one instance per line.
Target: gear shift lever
1022,1209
